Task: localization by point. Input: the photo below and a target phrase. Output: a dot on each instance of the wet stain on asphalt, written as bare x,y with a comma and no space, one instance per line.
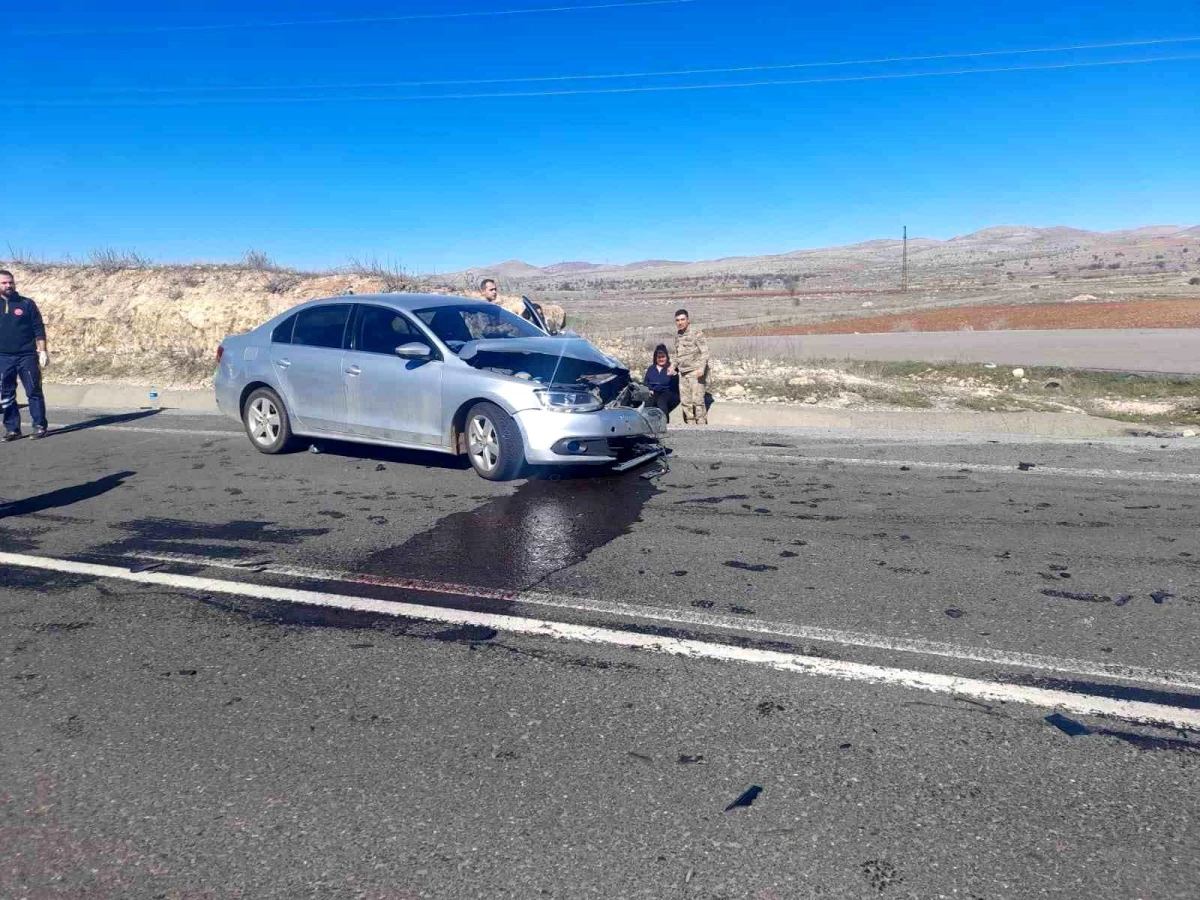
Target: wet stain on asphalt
1081,596
750,567
42,580
284,614
517,540
881,874
17,541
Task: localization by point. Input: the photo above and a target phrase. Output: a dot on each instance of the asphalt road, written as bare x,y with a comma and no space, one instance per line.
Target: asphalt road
1173,350
359,673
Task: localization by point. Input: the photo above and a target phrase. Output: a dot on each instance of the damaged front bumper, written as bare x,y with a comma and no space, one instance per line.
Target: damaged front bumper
610,435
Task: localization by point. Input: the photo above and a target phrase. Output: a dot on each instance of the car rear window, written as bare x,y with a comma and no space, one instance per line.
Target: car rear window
321,326
283,331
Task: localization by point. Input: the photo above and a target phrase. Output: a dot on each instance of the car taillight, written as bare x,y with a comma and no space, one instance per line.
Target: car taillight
220,353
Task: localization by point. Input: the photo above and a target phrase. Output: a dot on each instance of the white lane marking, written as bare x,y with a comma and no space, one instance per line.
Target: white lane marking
1166,678
737,456
1035,470
987,691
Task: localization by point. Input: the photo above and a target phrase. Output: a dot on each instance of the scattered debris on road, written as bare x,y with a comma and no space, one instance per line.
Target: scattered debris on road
746,798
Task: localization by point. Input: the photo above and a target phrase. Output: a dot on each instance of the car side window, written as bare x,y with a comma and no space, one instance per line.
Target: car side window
382,330
322,326
283,331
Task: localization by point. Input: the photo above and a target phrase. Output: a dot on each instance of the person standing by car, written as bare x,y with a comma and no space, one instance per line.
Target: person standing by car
22,354
662,382
488,290
691,362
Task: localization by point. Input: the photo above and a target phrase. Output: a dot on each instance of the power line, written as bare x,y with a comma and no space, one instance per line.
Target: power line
365,20
653,74
638,89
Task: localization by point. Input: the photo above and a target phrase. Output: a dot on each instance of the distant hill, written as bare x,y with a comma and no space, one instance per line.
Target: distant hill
985,244
996,251
570,268
512,268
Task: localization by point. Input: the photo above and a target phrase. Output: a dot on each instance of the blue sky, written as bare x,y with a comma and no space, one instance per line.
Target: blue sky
128,127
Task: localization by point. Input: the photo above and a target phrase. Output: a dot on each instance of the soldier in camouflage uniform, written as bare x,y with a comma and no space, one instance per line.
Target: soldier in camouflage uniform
690,360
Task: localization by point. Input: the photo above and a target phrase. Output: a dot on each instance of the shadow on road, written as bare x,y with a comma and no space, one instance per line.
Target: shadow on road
424,458
63,496
114,419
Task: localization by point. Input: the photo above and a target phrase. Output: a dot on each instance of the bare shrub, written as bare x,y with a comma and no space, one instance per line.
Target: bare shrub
281,283
259,261
904,325
1194,280
392,274
110,259
23,256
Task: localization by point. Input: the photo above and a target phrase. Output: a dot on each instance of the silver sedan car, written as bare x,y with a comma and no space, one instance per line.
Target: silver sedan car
432,372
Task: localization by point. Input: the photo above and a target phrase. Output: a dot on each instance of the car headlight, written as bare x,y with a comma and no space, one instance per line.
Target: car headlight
569,401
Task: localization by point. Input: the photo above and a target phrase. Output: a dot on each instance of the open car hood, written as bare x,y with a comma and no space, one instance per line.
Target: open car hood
549,360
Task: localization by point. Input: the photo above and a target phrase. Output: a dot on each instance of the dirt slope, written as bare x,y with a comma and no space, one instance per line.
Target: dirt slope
162,324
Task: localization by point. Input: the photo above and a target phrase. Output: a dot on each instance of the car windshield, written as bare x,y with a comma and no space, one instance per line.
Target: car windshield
456,325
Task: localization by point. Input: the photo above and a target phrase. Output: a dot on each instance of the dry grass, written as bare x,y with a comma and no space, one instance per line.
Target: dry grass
772,378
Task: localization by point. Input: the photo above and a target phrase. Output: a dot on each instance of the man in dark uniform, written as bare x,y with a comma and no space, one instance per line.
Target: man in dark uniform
22,354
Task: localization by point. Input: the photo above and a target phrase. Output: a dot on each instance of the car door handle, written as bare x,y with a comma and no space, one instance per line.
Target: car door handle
353,370
283,363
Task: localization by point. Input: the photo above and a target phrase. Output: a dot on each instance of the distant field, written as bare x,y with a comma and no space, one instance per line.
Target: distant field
1022,317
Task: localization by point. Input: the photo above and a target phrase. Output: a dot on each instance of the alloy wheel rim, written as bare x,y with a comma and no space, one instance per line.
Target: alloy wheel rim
483,443
264,421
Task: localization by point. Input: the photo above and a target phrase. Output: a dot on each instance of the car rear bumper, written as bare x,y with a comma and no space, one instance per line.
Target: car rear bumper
578,438
228,396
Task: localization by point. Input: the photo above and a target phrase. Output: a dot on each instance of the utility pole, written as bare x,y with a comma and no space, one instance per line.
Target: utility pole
904,263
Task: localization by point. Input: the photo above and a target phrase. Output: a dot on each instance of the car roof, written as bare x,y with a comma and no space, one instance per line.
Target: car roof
408,302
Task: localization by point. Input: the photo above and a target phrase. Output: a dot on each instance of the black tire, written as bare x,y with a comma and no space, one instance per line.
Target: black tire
266,421
506,452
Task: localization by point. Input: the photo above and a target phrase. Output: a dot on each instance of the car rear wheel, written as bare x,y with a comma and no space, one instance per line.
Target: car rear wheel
266,421
494,443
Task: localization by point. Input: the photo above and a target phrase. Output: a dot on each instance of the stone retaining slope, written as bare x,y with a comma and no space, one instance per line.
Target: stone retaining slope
162,324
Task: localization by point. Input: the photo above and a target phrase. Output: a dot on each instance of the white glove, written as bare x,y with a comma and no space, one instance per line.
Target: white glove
43,358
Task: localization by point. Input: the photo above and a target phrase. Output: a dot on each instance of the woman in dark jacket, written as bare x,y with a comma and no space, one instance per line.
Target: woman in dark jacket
663,381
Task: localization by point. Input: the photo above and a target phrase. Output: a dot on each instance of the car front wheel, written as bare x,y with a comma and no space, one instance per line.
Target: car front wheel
266,421
494,443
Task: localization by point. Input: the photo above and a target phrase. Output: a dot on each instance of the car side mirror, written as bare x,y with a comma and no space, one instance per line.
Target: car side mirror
414,350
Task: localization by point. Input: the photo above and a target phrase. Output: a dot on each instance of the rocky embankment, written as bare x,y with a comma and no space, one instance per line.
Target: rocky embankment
162,324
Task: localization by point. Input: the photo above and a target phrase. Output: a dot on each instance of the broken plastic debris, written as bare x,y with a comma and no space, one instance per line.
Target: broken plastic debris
313,448
747,797
1067,726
